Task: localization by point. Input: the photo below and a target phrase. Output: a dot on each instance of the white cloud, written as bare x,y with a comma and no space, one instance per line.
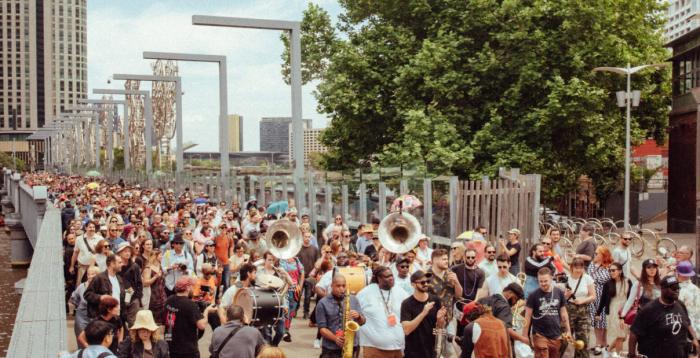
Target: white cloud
119,32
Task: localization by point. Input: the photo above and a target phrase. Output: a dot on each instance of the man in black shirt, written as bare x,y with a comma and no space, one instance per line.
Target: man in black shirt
545,311
183,319
469,275
501,305
421,313
308,256
662,326
133,285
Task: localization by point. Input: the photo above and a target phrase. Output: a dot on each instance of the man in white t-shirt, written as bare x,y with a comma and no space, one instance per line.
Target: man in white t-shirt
324,283
496,283
489,265
84,252
623,256
382,335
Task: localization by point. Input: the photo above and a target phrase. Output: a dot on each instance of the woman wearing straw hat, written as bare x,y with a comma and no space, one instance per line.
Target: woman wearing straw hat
144,339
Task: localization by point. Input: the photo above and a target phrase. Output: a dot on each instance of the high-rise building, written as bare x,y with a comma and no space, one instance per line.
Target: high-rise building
681,18
43,65
311,143
274,133
235,133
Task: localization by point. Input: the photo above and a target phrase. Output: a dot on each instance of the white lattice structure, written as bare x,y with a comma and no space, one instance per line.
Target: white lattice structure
163,98
137,124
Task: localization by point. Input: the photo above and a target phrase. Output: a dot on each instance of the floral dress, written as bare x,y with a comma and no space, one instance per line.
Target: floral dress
600,276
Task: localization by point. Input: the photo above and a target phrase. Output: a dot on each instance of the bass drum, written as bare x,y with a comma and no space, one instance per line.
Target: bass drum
262,306
355,278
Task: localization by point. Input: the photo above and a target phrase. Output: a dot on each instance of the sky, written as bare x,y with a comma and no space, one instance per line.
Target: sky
118,33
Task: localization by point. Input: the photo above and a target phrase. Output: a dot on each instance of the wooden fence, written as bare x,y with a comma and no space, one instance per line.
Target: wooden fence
510,201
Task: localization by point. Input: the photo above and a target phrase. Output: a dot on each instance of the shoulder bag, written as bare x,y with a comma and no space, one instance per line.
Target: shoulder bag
216,352
632,313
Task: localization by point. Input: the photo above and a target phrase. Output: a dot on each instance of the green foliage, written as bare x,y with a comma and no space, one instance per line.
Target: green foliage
464,87
7,162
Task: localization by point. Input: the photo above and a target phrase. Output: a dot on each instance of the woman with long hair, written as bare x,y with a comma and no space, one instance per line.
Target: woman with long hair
144,252
646,289
101,250
580,292
615,293
599,271
153,278
144,339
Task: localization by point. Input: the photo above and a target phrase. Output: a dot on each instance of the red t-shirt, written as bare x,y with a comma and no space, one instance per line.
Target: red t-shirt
223,244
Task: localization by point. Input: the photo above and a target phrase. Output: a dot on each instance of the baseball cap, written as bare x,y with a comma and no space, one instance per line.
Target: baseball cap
669,281
685,269
649,263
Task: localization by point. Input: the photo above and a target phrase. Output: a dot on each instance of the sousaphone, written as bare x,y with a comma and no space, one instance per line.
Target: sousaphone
283,239
399,232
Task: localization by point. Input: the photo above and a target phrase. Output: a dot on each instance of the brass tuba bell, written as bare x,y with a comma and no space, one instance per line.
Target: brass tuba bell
283,239
399,232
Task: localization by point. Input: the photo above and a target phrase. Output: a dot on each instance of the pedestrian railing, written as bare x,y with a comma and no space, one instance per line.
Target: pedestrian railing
40,324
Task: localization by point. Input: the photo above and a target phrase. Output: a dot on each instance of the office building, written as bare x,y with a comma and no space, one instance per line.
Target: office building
681,18
312,144
235,133
274,133
43,65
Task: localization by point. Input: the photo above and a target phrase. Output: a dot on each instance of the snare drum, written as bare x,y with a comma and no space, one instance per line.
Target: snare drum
355,278
262,305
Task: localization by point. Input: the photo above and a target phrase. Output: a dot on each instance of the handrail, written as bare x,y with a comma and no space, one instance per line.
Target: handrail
40,325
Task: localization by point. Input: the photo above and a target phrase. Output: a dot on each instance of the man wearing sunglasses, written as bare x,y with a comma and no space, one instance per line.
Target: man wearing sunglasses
489,265
420,314
470,276
496,283
662,326
623,255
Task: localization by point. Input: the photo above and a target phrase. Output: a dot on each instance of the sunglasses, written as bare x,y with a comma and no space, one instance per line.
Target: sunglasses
422,282
326,252
547,243
403,266
614,270
490,252
471,257
502,267
114,230
627,238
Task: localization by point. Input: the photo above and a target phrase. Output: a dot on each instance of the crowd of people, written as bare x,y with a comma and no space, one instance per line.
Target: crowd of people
148,269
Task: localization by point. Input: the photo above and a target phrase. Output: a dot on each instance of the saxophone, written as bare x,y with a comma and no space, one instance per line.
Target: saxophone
350,327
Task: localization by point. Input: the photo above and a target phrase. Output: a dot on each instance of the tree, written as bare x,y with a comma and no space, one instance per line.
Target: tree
465,87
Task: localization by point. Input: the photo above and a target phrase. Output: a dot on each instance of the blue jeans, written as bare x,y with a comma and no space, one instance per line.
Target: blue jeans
226,277
278,331
531,285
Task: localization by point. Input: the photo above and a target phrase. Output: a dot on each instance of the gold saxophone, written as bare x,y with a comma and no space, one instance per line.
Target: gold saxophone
350,327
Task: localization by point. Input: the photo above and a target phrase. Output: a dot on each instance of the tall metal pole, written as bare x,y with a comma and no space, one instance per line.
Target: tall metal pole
223,122
627,147
98,143
127,157
179,162
297,124
148,109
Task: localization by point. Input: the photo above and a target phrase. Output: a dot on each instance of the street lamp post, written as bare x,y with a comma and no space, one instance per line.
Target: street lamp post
223,102
148,114
629,97
294,28
178,107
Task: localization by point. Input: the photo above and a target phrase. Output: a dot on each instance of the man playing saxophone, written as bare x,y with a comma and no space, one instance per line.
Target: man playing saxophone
445,285
331,314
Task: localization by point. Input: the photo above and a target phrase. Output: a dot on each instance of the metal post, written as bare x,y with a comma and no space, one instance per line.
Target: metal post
223,120
363,203
403,187
454,199
180,152
110,139
428,207
382,199
148,113
98,141
297,124
344,202
329,204
627,147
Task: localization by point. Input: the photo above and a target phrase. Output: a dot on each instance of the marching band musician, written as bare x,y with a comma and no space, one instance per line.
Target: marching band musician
246,278
324,283
420,314
485,334
445,285
269,268
502,308
329,319
382,335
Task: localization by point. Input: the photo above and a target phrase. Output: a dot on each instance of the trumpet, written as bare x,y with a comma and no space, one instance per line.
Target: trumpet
578,343
521,276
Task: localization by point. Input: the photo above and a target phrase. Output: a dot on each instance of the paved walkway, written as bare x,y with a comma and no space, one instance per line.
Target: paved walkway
301,345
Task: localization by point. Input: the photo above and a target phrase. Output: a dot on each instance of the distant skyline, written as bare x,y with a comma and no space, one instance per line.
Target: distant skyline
118,32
